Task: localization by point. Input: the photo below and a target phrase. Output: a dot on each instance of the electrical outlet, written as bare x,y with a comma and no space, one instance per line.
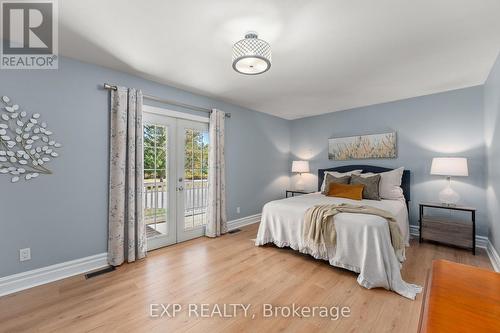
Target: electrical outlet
25,254
238,210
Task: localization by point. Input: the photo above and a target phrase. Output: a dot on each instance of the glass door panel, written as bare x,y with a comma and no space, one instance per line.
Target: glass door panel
158,202
194,165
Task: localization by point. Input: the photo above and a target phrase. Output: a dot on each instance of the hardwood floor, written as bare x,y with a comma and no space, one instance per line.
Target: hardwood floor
229,269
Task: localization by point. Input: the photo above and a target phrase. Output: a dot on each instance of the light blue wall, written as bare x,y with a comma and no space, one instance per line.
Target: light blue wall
445,124
492,136
64,216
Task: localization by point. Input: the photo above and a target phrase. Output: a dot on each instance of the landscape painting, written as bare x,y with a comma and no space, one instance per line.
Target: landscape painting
361,147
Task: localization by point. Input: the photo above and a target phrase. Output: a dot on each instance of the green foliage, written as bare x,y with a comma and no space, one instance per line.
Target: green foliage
196,152
155,158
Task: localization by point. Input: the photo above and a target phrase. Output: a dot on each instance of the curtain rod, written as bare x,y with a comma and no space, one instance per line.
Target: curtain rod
167,101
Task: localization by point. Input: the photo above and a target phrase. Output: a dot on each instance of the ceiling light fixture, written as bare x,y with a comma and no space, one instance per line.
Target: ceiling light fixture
251,56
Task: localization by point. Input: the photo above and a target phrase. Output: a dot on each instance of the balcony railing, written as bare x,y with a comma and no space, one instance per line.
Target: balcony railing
156,196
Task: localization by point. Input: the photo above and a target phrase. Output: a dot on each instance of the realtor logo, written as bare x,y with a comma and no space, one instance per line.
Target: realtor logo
29,34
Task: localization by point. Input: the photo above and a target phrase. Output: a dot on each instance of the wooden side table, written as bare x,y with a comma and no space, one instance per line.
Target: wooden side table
293,192
448,231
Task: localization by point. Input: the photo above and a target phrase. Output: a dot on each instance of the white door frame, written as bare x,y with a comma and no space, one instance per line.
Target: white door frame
174,114
176,122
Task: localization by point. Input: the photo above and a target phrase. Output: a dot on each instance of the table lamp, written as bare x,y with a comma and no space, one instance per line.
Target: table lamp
300,167
449,167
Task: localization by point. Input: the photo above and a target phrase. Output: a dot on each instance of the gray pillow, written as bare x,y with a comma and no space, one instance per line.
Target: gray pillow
371,190
332,179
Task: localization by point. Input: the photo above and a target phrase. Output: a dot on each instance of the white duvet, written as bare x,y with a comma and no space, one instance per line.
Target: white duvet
363,241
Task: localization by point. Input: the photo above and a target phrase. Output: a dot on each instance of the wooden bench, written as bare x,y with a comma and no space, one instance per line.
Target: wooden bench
460,298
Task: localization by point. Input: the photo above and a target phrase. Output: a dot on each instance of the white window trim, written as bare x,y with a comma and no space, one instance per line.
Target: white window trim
174,114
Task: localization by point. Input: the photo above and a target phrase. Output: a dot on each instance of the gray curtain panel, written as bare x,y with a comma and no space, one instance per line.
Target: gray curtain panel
127,232
216,211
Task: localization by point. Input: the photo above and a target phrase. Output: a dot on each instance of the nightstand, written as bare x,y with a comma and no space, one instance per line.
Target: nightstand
446,230
293,192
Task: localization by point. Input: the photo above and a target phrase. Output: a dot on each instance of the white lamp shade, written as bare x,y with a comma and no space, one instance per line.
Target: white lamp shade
449,166
300,166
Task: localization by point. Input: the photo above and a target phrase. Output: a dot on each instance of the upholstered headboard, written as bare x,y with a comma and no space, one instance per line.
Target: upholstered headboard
405,181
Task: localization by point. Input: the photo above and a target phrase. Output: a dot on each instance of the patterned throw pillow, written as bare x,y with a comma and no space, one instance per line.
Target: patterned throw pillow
371,189
329,179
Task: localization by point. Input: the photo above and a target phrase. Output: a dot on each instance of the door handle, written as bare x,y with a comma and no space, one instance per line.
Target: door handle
180,188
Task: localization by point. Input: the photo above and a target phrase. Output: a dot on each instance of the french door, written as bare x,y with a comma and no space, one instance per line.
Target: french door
175,179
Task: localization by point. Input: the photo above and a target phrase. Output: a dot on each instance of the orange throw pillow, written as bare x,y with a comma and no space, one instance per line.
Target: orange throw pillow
348,191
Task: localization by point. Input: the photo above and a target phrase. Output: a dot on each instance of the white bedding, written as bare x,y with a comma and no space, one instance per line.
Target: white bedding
363,241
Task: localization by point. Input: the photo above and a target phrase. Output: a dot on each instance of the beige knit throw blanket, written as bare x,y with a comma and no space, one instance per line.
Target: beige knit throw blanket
319,228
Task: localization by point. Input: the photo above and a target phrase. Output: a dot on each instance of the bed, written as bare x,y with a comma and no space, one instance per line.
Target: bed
363,241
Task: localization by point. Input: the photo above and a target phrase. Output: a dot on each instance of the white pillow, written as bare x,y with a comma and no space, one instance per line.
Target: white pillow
339,174
368,174
390,184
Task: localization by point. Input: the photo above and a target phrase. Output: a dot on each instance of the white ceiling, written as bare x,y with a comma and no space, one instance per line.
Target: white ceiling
328,55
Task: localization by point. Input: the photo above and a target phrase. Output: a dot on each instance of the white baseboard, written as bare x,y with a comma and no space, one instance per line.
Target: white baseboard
17,282
481,241
25,280
414,230
494,257
238,223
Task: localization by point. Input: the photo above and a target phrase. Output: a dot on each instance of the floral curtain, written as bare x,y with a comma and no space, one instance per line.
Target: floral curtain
127,233
216,212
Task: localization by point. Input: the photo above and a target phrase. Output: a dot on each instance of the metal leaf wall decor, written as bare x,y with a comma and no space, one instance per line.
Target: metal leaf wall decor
26,144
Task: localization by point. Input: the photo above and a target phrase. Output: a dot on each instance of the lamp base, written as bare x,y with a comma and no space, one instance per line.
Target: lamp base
449,197
299,186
